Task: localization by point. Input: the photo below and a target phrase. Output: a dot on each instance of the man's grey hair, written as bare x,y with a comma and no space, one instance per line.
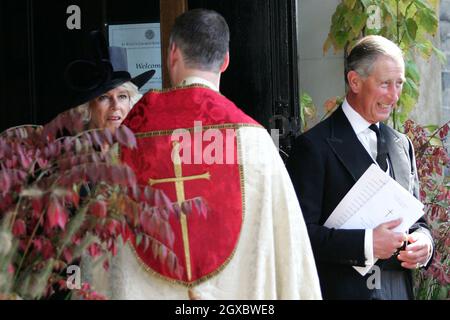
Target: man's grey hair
366,51
203,37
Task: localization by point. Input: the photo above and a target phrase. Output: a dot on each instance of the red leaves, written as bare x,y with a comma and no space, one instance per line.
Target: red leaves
73,198
113,227
94,250
173,264
25,159
5,182
201,207
186,206
52,176
162,200
37,206
443,133
125,137
113,248
19,228
98,209
56,214
67,254
87,294
431,158
48,250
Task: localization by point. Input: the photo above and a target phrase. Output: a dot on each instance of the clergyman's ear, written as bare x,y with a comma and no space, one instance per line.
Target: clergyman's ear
226,62
172,57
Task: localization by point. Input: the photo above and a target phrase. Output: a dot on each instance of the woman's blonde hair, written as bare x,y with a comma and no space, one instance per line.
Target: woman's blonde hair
130,87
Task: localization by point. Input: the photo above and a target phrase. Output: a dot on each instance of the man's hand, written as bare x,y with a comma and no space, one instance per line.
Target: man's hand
417,252
385,241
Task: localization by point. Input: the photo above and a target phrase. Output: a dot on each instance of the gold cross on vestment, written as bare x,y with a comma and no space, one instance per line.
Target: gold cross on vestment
179,188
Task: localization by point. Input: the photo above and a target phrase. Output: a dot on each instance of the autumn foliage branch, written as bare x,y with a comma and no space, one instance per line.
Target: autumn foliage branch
64,192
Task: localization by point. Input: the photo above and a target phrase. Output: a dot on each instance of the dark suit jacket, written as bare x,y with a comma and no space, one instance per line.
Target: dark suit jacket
325,163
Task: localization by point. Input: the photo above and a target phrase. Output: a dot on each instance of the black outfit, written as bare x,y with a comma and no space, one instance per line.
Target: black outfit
325,164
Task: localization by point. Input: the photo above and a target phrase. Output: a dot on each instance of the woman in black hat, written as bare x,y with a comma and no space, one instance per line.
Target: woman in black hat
110,108
103,94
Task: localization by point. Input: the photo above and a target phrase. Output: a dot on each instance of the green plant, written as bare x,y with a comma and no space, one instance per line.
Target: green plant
308,110
408,23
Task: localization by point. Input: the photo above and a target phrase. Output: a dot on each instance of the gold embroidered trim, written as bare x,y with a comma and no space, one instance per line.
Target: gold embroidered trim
152,272
241,175
191,130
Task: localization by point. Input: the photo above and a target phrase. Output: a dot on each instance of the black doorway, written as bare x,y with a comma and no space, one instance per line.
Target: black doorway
262,78
40,46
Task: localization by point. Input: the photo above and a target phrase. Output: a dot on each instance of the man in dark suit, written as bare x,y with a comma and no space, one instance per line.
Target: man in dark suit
328,160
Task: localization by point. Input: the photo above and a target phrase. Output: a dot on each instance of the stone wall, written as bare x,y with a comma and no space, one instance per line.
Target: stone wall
321,76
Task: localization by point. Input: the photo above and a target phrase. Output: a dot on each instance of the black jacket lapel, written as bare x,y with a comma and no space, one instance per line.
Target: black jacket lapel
345,144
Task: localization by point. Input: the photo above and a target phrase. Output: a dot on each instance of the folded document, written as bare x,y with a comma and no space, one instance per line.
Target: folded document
374,199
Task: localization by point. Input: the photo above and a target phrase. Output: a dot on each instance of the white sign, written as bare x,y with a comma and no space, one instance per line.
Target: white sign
142,42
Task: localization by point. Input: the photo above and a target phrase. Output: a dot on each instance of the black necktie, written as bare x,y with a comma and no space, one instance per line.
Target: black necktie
381,148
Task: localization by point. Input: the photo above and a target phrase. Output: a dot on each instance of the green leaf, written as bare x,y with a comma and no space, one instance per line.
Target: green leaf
411,27
410,88
411,71
401,7
436,142
138,239
305,100
425,48
372,32
440,55
336,19
420,4
350,3
443,292
389,9
366,3
431,127
341,39
427,18
307,108
358,22
407,103
327,44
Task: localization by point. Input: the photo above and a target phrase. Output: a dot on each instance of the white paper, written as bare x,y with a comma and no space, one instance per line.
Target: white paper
142,42
374,199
